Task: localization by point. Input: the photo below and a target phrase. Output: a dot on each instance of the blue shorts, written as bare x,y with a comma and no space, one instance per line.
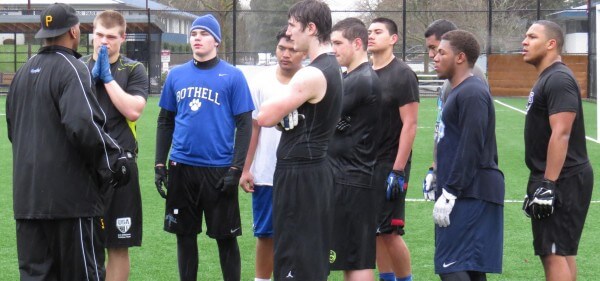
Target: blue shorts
262,211
473,240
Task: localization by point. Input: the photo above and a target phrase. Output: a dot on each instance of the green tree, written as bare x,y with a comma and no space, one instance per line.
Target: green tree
267,17
221,9
510,18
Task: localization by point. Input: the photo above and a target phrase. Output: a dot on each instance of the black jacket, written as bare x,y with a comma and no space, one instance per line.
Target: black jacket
59,146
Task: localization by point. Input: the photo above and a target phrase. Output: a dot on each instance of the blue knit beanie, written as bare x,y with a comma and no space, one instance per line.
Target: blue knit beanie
210,24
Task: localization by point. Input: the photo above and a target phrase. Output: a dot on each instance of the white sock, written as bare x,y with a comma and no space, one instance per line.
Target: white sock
260,279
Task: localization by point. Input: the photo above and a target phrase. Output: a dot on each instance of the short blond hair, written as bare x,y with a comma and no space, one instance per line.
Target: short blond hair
110,19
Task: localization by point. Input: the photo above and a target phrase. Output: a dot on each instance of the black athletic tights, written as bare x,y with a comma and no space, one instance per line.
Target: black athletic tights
187,257
464,276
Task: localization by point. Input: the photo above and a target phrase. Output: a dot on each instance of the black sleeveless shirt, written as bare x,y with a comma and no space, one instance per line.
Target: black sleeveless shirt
310,140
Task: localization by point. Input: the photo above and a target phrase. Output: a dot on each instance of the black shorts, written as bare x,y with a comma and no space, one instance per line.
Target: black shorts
391,213
302,220
560,233
60,249
190,193
123,215
353,228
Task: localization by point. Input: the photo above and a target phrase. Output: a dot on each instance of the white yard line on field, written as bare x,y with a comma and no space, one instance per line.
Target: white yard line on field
505,201
522,111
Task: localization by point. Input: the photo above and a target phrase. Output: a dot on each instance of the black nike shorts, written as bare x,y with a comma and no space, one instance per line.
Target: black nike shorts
354,227
391,213
191,193
560,233
302,220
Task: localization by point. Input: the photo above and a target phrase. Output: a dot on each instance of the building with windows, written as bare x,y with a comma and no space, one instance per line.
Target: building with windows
150,26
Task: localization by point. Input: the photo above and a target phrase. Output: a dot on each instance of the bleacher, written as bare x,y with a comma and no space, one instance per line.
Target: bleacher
5,80
429,84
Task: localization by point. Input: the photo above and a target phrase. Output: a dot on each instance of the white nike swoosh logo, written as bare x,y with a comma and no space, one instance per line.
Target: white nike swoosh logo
448,264
234,230
221,74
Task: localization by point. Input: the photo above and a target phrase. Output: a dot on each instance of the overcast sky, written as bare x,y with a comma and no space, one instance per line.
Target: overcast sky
333,4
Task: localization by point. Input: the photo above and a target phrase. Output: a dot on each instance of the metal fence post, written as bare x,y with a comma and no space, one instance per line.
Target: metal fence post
234,31
403,30
489,41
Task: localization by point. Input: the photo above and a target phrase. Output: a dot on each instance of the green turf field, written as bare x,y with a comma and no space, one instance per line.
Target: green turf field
156,259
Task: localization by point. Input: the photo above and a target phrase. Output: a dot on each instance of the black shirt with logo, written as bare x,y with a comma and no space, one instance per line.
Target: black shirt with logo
133,79
555,91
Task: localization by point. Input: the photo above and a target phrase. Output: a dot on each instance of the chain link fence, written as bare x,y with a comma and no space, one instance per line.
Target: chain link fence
158,36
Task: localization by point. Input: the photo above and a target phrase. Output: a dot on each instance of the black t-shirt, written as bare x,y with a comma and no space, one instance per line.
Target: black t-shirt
467,152
399,86
310,140
133,79
352,151
555,91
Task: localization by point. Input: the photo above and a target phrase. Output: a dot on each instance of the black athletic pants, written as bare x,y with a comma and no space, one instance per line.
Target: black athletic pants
60,249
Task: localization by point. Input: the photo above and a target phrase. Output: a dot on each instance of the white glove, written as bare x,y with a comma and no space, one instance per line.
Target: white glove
442,209
291,121
429,185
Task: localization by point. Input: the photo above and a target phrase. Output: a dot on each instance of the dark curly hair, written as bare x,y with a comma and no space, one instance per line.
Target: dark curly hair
463,42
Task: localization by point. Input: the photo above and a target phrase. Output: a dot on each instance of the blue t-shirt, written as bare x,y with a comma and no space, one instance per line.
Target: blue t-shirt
206,102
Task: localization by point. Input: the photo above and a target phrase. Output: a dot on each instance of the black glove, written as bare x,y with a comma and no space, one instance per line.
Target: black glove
230,181
121,170
160,180
343,124
526,206
542,202
394,185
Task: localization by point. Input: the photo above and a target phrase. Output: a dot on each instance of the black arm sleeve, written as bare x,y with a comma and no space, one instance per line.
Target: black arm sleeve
164,135
243,124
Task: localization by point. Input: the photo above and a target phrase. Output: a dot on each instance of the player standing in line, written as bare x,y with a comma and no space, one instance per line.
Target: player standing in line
206,121
257,175
433,36
352,154
561,179
468,213
303,180
61,157
398,128
122,90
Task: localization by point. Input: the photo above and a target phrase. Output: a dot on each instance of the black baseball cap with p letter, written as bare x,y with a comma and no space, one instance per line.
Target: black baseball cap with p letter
55,20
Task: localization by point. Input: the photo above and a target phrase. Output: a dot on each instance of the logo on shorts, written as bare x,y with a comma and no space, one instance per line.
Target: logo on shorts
233,230
332,256
123,224
170,219
448,264
289,275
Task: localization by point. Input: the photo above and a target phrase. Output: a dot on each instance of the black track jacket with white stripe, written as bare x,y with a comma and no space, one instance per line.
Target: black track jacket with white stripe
59,146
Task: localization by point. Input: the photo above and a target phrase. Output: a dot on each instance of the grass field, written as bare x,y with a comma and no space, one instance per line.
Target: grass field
156,259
